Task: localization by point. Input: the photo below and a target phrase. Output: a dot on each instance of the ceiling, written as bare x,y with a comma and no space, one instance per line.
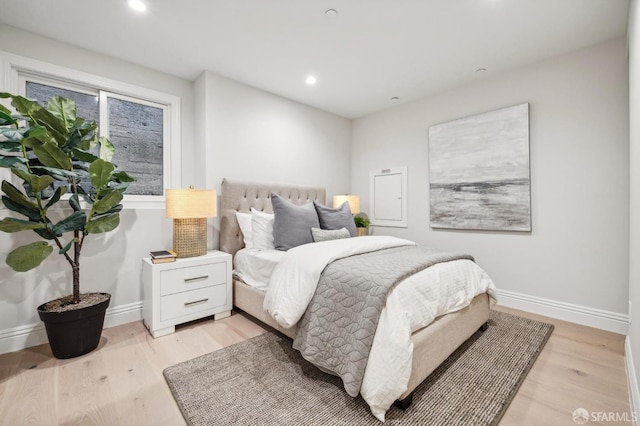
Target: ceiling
372,51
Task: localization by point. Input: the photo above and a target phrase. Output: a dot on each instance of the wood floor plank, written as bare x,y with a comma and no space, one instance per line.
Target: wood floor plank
121,383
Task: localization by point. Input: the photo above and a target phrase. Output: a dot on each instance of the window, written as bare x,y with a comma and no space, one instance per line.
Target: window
136,131
142,124
135,127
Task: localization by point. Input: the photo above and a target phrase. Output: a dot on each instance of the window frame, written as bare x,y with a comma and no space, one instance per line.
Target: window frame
15,70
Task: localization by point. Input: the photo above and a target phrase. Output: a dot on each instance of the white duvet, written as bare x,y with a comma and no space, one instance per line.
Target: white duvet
413,304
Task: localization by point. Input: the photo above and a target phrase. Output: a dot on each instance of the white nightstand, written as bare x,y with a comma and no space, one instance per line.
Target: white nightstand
186,290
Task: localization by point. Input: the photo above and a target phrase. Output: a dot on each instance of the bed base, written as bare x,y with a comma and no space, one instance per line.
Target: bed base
406,402
431,345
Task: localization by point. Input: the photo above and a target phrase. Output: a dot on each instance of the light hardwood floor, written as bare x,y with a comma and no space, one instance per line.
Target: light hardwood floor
121,383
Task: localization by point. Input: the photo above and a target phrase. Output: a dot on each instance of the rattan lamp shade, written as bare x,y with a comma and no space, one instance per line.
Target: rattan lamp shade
354,202
189,209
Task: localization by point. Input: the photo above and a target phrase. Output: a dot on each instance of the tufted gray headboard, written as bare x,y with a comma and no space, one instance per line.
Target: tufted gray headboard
241,196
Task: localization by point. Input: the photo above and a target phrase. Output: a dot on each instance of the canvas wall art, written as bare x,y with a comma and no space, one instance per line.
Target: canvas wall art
479,172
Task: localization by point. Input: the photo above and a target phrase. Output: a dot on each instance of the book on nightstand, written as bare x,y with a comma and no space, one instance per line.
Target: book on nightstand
163,256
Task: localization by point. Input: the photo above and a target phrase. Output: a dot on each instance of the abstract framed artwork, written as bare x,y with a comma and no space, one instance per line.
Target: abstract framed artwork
479,174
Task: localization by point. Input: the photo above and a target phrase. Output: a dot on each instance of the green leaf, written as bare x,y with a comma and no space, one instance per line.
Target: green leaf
53,124
100,173
33,214
64,109
86,127
5,109
37,131
10,161
123,177
83,155
74,202
11,146
56,196
11,134
51,155
39,136
122,187
103,224
29,256
6,119
106,149
66,248
74,222
24,106
22,173
74,140
107,202
38,183
58,174
17,196
88,143
116,209
10,225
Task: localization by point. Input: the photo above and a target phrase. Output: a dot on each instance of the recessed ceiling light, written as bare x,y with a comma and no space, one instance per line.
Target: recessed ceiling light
137,5
331,13
395,98
311,80
481,70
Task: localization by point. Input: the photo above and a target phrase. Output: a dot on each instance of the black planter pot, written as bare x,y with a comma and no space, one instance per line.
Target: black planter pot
75,332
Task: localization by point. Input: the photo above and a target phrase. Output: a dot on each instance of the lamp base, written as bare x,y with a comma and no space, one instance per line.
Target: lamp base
190,237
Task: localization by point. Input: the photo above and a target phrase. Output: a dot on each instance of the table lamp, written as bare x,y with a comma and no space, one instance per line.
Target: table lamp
189,209
353,200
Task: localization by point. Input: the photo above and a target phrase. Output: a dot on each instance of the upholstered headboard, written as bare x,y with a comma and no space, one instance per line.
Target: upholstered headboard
241,196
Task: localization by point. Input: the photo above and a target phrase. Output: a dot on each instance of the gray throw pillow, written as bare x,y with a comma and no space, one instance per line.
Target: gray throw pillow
292,224
329,234
336,218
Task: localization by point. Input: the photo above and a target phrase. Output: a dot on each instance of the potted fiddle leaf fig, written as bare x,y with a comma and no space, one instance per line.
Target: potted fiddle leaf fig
54,152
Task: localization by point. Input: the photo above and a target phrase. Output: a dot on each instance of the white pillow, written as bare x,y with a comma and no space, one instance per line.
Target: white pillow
244,220
262,230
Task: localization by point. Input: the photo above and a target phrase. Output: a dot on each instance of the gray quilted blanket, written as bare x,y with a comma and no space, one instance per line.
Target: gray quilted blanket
336,332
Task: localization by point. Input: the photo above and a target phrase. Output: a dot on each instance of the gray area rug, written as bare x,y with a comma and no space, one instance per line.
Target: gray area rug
263,381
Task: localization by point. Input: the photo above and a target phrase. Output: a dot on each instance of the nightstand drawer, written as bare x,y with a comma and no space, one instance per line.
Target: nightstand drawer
190,302
191,278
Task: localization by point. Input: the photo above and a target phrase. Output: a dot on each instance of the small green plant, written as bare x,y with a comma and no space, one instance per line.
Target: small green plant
53,152
361,222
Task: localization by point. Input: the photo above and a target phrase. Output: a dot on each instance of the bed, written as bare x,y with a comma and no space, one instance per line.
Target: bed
432,344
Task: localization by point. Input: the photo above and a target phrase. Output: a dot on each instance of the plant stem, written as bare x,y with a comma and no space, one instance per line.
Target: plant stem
76,267
75,263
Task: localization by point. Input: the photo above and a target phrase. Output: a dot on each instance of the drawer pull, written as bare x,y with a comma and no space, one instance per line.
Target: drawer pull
204,277
194,302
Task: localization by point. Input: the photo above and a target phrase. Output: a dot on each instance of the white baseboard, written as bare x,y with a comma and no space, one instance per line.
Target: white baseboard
25,336
634,392
598,318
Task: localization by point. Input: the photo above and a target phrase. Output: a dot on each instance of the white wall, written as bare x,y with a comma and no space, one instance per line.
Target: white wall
234,131
633,343
110,262
254,135
577,252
